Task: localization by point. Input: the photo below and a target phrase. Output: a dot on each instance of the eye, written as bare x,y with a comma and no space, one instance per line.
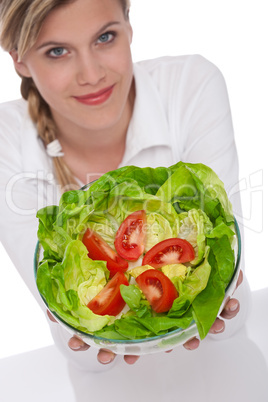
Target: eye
57,52
106,37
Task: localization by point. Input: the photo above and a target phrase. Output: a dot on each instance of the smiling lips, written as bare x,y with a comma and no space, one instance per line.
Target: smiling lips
96,98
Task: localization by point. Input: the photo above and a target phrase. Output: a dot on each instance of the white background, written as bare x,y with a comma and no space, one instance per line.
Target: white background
233,35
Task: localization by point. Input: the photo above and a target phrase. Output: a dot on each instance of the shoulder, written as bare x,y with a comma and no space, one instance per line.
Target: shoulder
183,81
20,147
12,113
16,127
177,62
191,68
15,107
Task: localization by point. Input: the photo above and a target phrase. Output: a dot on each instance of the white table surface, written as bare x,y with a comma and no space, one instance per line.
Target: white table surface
228,370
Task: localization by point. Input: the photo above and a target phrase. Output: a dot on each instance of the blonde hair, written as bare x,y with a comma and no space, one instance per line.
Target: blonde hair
20,24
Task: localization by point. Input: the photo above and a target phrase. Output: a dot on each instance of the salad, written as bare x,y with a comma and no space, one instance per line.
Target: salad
139,253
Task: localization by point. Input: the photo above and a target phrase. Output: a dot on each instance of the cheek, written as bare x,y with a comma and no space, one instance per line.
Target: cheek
119,59
125,59
122,64
50,83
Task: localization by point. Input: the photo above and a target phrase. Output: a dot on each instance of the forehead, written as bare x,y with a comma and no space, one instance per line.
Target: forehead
77,16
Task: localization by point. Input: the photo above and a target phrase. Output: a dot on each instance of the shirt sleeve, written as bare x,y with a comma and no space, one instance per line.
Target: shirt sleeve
207,136
18,200
23,191
204,128
206,125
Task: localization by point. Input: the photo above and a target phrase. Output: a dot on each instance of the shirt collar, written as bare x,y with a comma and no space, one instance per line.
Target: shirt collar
148,126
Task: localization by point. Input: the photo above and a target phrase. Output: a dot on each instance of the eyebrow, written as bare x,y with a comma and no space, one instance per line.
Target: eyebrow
55,43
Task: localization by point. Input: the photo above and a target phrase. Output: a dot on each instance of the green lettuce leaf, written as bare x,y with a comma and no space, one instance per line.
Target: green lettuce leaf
197,186
191,287
194,226
59,284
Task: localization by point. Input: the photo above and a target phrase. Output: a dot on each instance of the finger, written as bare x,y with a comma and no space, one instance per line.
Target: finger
50,316
231,309
77,345
105,356
131,359
217,327
192,344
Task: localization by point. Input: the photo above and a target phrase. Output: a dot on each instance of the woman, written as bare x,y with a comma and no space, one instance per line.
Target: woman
88,110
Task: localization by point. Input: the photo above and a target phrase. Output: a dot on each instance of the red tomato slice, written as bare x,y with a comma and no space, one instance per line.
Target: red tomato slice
98,249
169,251
129,239
158,290
109,300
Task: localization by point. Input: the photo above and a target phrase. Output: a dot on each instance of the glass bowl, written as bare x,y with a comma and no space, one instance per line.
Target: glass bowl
148,345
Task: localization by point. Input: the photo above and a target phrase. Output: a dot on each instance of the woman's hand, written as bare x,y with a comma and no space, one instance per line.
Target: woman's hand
105,356
230,310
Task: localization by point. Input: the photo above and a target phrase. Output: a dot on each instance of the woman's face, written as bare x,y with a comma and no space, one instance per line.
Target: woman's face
81,64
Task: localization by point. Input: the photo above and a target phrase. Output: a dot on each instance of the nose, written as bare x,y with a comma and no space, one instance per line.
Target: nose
90,69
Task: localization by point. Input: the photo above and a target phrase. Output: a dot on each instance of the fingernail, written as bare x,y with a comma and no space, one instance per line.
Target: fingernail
219,330
233,307
74,343
75,347
106,357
